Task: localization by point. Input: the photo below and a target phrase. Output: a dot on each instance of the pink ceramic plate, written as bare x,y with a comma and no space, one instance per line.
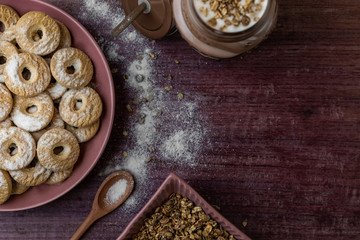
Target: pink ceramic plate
91,151
174,184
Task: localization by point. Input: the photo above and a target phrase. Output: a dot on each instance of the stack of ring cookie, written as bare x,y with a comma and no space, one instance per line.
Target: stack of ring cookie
47,107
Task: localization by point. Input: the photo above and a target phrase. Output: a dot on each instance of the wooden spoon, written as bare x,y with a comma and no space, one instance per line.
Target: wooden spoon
101,207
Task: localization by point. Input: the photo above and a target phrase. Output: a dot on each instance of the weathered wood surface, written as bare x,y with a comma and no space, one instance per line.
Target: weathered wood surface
282,128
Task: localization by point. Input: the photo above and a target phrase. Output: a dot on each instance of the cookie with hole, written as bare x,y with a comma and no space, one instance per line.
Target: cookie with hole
7,49
6,123
8,19
26,74
56,122
17,148
84,134
6,102
58,177
80,108
32,113
31,175
38,33
58,150
18,188
5,186
65,36
72,68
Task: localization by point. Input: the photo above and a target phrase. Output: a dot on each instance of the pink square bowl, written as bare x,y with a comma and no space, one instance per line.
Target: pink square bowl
174,184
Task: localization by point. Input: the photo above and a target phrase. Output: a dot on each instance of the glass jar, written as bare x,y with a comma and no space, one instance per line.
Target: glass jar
218,42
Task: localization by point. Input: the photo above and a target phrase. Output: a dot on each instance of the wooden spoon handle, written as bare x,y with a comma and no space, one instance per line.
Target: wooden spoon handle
129,19
93,216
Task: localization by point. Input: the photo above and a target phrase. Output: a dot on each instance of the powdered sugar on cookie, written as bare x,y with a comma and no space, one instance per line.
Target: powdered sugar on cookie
33,114
24,143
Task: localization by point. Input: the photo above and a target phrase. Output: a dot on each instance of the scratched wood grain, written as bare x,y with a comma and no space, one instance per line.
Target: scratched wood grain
283,127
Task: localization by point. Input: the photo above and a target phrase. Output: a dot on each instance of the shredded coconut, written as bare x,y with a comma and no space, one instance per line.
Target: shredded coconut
116,191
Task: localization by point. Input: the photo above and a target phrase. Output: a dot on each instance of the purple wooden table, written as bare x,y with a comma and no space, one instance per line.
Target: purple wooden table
271,138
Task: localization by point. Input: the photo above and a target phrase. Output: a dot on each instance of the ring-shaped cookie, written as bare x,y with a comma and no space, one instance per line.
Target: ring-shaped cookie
6,102
6,123
32,175
26,74
84,134
33,113
6,51
55,89
65,36
5,186
80,108
37,33
56,122
58,150
17,148
58,177
9,18
72,68
18,188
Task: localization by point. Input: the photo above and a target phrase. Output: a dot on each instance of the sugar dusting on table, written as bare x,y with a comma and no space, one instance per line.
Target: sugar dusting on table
100,12
116,191
157,130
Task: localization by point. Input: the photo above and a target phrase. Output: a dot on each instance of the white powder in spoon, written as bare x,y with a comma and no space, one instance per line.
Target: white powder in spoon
116,191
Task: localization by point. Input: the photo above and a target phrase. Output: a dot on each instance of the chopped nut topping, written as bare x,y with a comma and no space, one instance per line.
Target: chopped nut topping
245,20
212,22
180,96
177,219
244,223
168,88
125,133
153,56
128,107
150,97
151,149
136,101
232,12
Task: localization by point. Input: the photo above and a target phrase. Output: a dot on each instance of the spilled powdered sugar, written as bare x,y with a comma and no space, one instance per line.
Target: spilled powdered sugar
158,129
172,131
101,12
